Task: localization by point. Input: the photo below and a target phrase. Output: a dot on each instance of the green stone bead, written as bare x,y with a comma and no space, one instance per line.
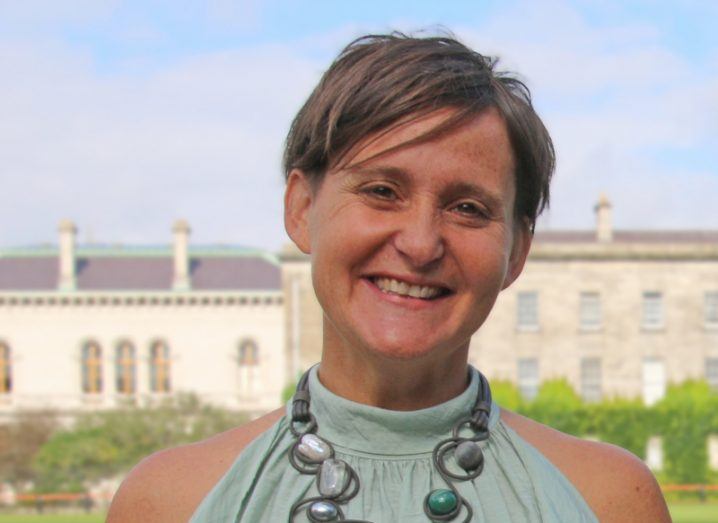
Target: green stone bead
442,501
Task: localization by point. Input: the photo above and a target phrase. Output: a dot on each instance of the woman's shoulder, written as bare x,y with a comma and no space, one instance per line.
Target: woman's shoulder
169,485
615,483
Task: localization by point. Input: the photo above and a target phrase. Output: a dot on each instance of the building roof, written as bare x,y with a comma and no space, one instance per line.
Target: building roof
24,273
145,268
645,237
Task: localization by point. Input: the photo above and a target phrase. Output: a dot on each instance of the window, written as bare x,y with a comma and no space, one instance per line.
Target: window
712,444
652,310
711,308
712,372
527,313
248,368
91,368
528,377
5,369
248,354
654,453
654,380
125,378
591,379
590,314
159,367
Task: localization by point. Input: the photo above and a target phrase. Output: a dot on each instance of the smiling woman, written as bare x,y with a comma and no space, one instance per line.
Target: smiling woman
451,233
415,174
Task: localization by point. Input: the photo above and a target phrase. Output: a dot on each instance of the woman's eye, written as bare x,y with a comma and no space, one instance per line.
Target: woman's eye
469,209
383,192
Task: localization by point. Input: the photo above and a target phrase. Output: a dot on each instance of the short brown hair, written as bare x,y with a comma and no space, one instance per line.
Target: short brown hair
378,81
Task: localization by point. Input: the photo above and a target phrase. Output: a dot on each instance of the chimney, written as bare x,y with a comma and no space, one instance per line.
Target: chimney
604,226
181,232
68,277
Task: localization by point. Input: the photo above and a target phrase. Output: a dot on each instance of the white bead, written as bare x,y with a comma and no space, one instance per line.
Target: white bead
314,448
332,477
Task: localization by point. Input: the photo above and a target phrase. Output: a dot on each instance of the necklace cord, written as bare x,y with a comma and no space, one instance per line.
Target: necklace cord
310,454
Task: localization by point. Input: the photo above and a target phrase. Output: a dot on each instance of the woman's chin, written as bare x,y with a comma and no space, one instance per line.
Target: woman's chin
404,349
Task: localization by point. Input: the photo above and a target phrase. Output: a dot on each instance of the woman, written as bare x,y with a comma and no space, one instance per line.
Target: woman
415,174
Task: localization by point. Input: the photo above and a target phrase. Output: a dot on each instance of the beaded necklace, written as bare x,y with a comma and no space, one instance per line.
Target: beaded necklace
338,483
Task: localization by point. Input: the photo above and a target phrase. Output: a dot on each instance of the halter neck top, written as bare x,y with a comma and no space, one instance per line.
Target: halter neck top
391,452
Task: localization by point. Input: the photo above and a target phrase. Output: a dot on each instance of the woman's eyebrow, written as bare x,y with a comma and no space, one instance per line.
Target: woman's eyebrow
388,171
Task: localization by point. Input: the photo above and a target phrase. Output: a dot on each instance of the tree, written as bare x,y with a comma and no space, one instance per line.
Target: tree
688,414
108,443
557,404
19,442
506,394
624,422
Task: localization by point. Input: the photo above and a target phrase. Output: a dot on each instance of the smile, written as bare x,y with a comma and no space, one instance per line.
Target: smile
401,288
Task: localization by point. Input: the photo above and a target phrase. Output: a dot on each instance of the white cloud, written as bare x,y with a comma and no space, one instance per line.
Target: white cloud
124,155
611,97
234,14
52,12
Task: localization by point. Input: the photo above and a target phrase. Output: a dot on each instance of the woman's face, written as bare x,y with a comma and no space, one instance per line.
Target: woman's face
410,248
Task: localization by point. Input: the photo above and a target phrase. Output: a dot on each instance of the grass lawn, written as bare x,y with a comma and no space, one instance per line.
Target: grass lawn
53,518
692,512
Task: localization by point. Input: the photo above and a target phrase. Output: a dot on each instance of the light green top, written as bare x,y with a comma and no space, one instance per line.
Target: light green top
391,453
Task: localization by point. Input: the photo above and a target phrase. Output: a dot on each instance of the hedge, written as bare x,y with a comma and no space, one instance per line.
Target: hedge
684,419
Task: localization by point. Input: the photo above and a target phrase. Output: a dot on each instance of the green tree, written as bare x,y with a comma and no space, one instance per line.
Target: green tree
623,422
19,442
506,394
557,404
688,415
72,457
108,443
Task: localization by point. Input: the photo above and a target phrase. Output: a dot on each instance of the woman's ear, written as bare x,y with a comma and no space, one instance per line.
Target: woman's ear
298,197
519,251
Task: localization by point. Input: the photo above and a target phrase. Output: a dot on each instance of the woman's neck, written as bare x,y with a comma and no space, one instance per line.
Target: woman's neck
394,384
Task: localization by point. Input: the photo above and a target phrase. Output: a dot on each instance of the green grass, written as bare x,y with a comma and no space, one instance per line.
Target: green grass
52,518
692,512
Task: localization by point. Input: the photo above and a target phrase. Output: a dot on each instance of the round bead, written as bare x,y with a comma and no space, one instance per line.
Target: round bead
442,502
468,455
323,511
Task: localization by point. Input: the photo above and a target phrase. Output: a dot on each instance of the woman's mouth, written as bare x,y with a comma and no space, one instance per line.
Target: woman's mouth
408,290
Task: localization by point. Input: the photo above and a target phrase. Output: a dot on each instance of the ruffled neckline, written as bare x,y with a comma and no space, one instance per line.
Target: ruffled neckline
355,427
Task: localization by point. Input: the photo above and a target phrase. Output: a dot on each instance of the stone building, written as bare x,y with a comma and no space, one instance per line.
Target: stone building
616,312
85,327
88,327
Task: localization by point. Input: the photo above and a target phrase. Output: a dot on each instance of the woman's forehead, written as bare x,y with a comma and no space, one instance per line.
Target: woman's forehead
441,124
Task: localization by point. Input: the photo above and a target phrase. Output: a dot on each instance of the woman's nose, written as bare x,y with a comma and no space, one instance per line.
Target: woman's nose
419,239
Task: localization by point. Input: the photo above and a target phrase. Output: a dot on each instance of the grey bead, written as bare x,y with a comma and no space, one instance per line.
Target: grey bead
323,511
332,477
468,455
314,448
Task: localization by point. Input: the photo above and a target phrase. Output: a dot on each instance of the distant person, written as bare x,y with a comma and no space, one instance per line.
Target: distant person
415,174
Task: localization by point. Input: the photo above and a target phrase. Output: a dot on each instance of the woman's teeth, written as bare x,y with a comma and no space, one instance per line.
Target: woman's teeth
401,288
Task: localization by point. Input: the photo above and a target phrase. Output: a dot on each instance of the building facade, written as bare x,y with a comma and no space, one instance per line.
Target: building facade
94,327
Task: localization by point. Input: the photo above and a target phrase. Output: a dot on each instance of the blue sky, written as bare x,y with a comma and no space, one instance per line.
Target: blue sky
124,116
